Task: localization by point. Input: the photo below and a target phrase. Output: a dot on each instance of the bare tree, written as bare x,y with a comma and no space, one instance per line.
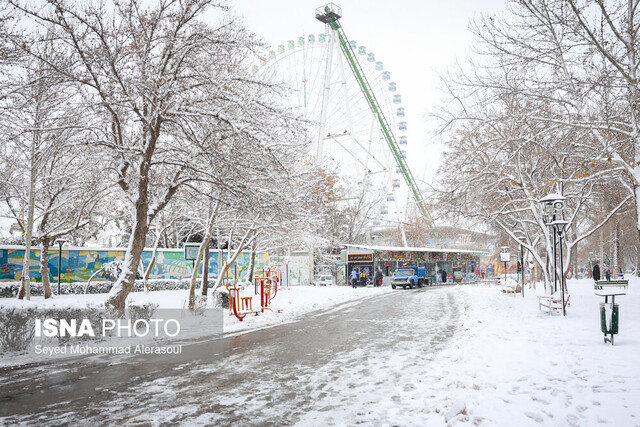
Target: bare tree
152,75
548,106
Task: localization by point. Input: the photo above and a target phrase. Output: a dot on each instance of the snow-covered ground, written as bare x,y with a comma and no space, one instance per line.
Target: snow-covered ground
288,305
515,365
506,362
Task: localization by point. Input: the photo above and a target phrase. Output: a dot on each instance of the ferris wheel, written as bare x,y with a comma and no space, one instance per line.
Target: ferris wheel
344,131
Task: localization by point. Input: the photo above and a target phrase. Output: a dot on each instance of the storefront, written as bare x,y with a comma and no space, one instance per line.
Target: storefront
363,265
459,265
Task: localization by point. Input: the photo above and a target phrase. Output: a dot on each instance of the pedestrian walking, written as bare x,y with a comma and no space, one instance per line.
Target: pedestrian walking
607,274
378,277
354,278
596,272
444,276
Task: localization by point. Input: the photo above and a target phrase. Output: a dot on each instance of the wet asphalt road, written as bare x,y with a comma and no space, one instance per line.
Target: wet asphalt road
364,362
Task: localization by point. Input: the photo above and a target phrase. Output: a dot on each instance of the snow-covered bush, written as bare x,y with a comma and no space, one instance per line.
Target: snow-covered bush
10,289
200,305
141,312
221,298
111,270
94,315
17,329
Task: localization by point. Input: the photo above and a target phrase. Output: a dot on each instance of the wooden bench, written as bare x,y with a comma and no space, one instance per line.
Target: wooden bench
603,284
552,303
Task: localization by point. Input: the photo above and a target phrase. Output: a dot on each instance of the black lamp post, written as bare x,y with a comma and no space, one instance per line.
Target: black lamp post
60,242
559,225
552,206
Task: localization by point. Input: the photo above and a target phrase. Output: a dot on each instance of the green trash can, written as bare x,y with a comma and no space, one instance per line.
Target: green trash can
614,320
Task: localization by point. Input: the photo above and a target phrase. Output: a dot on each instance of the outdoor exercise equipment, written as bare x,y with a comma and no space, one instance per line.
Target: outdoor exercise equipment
238,306
266,281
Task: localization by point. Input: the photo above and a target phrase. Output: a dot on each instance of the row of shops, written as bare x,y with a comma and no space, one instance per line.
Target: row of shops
459,265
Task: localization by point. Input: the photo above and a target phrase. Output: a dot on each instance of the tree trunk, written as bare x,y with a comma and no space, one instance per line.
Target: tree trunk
44,267
574,253
204,247
548,268
616,248
25,286
205,272
148,272
121,289
252,264
601,254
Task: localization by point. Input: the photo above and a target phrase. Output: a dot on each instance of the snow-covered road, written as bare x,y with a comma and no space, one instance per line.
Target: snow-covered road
364,363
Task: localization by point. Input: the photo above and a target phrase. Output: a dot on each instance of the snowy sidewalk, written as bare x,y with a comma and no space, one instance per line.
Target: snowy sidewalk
289,305
516,365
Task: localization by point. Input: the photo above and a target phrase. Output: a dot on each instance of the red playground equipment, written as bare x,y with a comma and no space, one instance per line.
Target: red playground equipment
238,306
266,282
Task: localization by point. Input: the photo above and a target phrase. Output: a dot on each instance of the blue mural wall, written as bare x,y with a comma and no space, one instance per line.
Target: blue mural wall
78,264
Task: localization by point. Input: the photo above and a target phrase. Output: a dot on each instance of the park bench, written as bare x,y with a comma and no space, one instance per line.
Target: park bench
511,289
552,303
604,284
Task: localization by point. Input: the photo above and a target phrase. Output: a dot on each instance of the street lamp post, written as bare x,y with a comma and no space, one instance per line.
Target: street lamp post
60,242
552,206
559,225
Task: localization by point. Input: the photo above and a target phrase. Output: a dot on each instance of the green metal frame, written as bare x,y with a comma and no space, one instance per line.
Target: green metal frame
331,19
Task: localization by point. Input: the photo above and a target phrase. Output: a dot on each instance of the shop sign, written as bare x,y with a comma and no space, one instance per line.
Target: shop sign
360,258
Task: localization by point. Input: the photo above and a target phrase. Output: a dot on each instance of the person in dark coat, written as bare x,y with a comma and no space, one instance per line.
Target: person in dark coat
607,274
378,277
596,272
444,276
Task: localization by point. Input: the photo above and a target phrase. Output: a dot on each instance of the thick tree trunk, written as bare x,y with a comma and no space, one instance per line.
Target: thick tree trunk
121,289
44,267
124,284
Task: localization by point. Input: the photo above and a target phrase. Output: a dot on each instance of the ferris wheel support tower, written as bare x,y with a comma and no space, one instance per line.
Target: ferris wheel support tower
330,14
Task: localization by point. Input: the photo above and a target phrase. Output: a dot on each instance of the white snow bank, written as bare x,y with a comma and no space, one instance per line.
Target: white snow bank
516,365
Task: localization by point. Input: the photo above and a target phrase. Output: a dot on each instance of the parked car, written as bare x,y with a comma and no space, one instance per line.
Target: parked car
409,276
323,280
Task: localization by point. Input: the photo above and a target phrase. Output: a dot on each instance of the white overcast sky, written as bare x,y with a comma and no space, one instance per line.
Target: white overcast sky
415,39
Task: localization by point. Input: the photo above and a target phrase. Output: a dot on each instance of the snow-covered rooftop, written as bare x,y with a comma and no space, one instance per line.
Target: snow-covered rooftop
413,249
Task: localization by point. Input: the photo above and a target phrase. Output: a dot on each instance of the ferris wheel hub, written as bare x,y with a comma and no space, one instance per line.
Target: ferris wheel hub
328,13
